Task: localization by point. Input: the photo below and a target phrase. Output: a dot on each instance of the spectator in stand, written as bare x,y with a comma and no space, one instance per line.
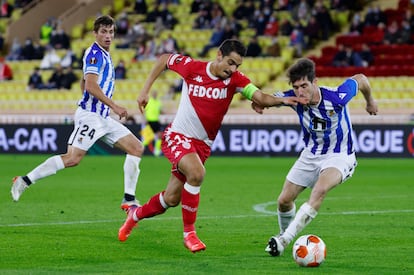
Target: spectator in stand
324,19
235,26
196,6
6,72
297,40
121,70
357,25
312,32
346,57
284,5
244,10
260,23
46,30
35,80
405,33
153,14
286,27
15,52
69,59
140,7
366,55
59,39
339,59
374,16
168,45
175,88
253,47
301,11
69,77
6,9
272,26
392,33
217,37
50,59
28,50
409,17
55,80
168,19
122,24
274,48
202,21
218,15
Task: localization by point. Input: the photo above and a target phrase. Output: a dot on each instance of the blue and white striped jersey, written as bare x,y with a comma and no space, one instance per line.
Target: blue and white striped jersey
96,60
327,127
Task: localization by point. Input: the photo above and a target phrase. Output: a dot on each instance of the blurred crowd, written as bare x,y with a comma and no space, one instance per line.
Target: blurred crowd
308,22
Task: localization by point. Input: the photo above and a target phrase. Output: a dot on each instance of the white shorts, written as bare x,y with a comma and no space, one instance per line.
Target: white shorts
89,127
305,172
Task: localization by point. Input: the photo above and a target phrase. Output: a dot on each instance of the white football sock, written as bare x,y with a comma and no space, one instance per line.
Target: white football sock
285,218
304,216
131,173
47,168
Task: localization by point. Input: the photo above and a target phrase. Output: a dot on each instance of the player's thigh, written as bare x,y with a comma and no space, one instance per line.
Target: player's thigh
130,145
192,167
88,128
305,171
118,134
343,163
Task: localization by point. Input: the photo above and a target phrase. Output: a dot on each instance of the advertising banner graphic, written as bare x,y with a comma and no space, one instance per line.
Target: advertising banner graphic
233,140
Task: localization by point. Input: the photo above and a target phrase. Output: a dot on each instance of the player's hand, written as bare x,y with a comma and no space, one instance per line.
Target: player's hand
258,109
142,101
293,101
120,111
372,108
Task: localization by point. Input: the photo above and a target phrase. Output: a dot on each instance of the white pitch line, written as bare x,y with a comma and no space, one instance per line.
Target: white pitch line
260,208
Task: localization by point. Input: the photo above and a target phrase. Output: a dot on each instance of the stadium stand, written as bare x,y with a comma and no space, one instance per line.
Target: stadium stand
391,74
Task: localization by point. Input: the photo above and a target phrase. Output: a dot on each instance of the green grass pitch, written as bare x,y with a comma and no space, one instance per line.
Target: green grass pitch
68,223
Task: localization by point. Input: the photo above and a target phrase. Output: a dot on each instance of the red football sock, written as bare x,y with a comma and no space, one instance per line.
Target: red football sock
190,198
155,206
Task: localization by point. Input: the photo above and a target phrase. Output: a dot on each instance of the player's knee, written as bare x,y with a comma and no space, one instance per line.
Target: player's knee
284,204
196,176
136,150
71,160
171,200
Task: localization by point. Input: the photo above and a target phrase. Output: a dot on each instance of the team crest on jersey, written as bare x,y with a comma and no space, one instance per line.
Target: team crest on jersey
93,60
331,112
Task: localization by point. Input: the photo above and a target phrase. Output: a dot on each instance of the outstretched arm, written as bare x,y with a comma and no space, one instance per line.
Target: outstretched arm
365,88
262,100
158,68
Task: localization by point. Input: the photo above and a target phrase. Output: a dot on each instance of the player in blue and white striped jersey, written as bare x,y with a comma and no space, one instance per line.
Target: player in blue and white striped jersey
328,158
92,120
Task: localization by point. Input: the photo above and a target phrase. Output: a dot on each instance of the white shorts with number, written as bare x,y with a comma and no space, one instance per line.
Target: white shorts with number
89,127
305,172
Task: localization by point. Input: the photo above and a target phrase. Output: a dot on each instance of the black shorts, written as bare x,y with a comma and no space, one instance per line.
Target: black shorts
155,126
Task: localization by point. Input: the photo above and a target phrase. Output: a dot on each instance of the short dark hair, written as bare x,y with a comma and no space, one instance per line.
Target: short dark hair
232,45
104,20
304,67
